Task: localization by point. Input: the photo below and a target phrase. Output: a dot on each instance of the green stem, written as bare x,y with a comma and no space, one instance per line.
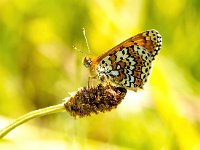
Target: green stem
31,115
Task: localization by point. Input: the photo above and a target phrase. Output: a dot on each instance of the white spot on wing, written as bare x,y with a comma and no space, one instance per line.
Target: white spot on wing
132,79
107,61
120,55
114,73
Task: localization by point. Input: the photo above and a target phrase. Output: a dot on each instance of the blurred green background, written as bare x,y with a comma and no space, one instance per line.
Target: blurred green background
39,66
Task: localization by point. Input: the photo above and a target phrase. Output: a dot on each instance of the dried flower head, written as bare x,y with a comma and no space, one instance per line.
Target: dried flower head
94,100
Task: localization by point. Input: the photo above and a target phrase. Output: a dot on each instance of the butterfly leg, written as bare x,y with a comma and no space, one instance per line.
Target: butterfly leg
90,81
105,80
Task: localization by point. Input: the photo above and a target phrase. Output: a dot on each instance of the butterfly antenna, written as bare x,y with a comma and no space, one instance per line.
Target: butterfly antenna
77,49
84,34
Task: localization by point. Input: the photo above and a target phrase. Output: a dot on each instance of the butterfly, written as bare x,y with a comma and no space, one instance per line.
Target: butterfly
128,64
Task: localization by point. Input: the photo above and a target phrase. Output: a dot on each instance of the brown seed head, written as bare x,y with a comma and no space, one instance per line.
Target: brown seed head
94,100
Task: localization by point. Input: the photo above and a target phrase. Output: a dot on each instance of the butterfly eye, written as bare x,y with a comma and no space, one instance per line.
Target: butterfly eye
87,61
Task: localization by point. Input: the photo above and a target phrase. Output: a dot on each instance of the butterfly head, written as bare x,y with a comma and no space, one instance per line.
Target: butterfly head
87,61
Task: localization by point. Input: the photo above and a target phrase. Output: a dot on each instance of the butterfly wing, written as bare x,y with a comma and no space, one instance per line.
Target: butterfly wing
150,39
128,64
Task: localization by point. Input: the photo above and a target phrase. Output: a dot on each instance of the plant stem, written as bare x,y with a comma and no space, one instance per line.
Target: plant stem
31,115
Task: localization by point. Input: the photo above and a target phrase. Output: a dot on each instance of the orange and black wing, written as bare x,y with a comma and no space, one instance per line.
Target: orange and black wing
129,63
151,40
